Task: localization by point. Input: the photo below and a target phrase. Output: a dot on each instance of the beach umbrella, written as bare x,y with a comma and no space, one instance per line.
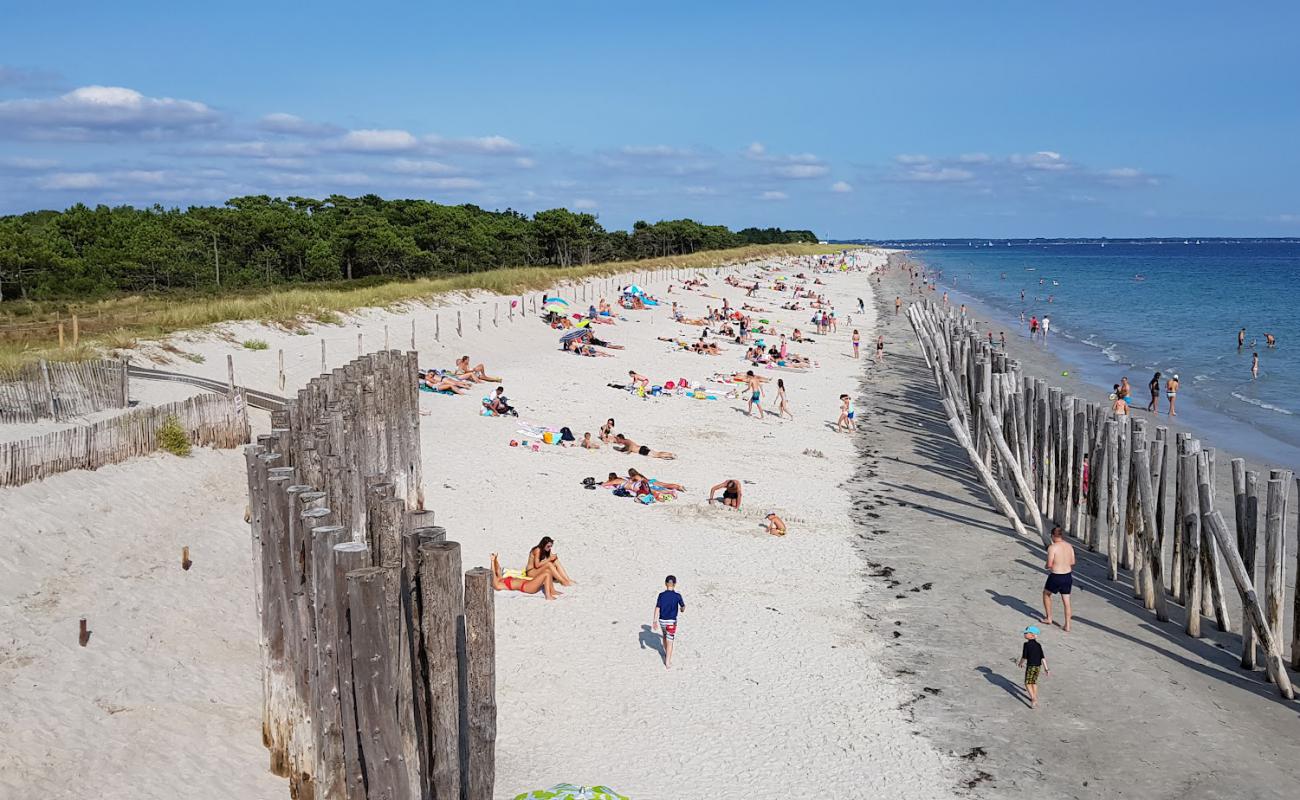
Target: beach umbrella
556,305
579,334
567,791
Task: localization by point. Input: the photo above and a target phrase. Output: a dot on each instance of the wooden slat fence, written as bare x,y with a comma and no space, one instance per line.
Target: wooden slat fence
60,390
211,420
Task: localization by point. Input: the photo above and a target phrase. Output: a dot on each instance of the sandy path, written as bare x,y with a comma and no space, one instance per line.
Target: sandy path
1133,708
775,688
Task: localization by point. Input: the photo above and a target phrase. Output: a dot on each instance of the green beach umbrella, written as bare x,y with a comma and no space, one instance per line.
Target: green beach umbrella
556,305
567,791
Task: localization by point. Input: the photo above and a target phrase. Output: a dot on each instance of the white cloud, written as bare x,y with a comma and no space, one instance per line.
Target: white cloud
933,174
841,187
755,151
445,183
525,163
654,151
771,195
378,141
1046,160
584,204
18,162
912,159
800,171
98,111
407,166
61,181
294,125
486,145
72,180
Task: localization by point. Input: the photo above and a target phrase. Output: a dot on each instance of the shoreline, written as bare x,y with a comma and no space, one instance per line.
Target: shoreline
1095,736
1090,366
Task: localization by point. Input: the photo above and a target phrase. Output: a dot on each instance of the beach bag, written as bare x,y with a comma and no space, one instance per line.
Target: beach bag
621,492
549,437
566,435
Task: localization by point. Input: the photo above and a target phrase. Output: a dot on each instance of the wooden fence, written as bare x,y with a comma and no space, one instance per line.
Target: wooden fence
1033,445
213,420
59,390
378,655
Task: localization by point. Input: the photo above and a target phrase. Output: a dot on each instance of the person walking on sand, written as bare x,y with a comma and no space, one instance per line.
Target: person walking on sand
1171,394
856,341
1060,577
1254,366
862,307
1154,388
667,606
898,305
1034,662
1003,336
755,385
845,422
782,410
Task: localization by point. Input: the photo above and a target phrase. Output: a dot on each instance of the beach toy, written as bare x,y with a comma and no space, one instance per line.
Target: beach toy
1065,373
514,443
485,413
536,447
711,397
524,443
670,386
548,437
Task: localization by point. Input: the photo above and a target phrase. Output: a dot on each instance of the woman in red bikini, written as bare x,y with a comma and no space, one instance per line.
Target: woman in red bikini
542,582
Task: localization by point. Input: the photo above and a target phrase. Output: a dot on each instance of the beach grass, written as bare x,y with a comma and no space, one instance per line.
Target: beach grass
118,323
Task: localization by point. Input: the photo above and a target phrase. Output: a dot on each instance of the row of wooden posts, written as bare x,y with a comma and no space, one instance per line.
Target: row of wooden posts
62,389
378,653
1048,458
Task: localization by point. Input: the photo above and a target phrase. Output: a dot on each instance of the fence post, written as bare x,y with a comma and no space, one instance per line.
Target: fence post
496,313
230,374
437,327
385,337
280,358
480,319
76,331
322,355
412,333
458,333
479,768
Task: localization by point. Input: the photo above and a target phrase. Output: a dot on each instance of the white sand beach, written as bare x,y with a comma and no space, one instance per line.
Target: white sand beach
776,685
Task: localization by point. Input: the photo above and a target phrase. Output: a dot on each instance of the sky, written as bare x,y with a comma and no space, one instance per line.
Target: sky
869,120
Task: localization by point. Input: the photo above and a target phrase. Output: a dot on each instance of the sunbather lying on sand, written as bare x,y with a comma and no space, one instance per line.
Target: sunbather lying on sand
632,474
475,373
441,383
625,445
542,582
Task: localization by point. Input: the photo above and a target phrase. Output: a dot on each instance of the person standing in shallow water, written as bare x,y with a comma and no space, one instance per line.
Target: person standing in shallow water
1241,338
1254,366
1154,388
1171,394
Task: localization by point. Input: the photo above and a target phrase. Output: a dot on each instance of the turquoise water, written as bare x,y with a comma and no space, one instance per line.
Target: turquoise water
1132,308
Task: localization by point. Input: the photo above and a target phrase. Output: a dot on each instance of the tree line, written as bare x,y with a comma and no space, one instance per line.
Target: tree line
263,241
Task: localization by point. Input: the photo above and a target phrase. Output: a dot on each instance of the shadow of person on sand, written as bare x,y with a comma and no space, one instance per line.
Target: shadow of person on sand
652,640
1015,603
1006,684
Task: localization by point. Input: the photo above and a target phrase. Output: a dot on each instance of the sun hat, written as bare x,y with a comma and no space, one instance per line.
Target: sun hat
1032,629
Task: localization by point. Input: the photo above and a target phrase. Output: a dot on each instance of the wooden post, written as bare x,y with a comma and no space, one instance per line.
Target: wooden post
230,375
1154,591
437,327
1192,544
412,333
1272,647
1249,538
322,356
185,559
1112,499
60,334
348,557
375,689
480,319
83,633
1213,584
1275,552
458,332
280,360
441,609
1178,564
479,738
496,314
1004,452
360,348
76,331
1159,478
327,719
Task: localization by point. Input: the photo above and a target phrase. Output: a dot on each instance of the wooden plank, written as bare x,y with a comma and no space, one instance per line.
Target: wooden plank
1275,550
1190,504
1249,551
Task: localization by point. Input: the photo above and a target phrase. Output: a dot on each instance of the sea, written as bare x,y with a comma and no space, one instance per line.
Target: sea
1134,307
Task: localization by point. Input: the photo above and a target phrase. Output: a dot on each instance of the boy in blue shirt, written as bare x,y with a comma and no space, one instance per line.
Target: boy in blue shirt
666,609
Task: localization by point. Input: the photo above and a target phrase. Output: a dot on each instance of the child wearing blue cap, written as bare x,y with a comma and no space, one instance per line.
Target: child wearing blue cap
1034,662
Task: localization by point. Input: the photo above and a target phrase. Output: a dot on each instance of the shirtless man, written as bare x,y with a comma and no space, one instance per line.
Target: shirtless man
1060,578
625,445
755,385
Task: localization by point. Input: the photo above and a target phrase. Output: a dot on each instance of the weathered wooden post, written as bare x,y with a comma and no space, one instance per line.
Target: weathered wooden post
1192,538
1275,550
441,609
375,687
76,331
412,333
1154,594
360,347
479,738
1213,583
480,319
280,361
437,327
1249,551
230,374
348,557
458,328
322,355
1112,499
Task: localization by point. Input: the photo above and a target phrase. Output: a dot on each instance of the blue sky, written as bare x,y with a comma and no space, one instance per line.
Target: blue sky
853,119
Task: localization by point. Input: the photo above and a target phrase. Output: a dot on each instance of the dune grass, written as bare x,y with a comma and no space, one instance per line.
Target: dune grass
124,320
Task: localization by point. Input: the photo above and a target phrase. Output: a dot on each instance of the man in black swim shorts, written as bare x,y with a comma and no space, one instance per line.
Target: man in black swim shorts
1060,576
